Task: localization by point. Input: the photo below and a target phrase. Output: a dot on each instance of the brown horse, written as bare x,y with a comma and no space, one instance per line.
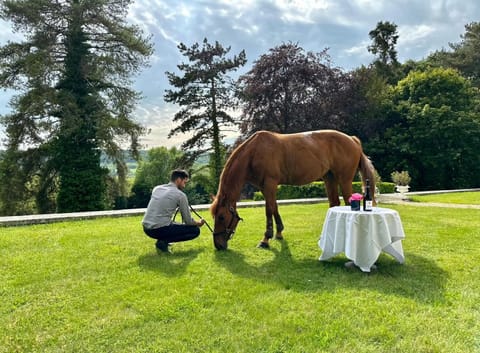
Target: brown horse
268,159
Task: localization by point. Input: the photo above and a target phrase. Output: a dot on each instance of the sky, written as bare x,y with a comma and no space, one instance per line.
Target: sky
257,26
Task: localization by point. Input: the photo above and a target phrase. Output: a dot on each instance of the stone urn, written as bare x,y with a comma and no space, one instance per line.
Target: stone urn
401,180
402,189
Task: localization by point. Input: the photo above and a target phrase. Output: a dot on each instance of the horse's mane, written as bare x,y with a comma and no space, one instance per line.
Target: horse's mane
231,174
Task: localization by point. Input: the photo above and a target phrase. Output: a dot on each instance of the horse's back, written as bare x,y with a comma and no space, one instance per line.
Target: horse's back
319,142
303,157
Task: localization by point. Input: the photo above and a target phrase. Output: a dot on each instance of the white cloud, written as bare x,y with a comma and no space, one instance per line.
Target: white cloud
259,25
413,34
158,119
369,5
301,11
357,49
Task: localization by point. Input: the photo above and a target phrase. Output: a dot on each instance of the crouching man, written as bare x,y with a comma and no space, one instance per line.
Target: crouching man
164,202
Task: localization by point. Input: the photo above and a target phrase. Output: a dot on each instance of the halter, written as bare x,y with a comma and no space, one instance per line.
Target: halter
229,232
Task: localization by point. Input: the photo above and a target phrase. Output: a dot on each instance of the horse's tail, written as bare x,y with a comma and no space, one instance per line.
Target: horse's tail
367,170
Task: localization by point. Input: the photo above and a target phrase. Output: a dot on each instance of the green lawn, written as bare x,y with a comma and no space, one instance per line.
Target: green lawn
99,286
469,198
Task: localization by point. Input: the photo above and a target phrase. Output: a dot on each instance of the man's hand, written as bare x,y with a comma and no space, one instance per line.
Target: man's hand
201,223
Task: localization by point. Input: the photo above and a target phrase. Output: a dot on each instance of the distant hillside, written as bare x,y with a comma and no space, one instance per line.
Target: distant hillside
132,164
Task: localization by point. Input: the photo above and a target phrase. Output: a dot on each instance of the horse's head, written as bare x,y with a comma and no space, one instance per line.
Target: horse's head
226,219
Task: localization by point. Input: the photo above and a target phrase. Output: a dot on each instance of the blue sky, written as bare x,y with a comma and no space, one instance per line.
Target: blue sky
257,26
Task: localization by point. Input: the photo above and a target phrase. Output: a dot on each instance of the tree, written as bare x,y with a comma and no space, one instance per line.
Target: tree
434,131
155,170
205,93
73,71
464,56
16,191
384,38
368,102
288,90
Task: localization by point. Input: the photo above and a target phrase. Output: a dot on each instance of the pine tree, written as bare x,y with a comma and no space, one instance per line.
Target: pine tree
384,38
205,93
73,73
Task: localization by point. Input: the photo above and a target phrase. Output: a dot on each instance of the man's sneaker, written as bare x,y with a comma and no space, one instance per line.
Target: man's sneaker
162,246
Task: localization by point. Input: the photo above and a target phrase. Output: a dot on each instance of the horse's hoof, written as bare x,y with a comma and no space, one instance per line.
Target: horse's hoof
263,245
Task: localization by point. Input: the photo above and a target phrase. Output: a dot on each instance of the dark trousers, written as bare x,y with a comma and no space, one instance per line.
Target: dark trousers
173,233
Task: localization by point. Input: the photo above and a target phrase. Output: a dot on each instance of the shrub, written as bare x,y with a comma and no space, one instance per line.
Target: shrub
386,188
401,178
317,189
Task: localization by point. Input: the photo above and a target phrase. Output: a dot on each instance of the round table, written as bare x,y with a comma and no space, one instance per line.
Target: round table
361,235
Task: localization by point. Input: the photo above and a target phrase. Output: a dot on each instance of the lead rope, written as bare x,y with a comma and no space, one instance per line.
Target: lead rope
208,226
195,212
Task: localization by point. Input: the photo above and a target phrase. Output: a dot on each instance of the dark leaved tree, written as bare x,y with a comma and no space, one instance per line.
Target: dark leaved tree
288,90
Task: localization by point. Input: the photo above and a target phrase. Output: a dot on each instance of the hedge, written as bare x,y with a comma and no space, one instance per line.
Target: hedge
317,189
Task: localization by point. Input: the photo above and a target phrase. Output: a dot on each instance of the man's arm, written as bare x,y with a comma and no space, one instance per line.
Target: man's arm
185,212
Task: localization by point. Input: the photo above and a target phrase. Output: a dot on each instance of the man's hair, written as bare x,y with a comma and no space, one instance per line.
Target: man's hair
179,173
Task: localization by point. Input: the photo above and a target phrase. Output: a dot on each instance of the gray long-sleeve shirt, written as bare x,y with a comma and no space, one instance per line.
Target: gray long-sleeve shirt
163,204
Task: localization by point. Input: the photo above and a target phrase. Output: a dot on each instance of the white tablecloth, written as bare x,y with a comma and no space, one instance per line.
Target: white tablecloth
362,236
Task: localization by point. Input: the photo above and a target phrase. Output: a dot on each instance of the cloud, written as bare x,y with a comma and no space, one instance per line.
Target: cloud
298,11
259,25
158,119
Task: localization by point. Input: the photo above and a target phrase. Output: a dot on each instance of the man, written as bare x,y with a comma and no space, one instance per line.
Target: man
157,222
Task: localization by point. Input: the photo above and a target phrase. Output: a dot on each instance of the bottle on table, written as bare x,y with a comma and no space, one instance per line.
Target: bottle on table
367,197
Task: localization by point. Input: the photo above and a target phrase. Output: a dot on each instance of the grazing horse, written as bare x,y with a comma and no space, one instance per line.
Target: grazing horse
268,159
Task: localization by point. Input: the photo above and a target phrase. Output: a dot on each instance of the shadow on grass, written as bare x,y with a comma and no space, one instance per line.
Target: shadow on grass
169,264
419,278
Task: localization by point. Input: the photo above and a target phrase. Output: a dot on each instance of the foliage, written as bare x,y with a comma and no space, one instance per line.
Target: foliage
205,94
430,131
464,56
155,170
202,185
197,192
401,178
287,192
288,90
211,183
370,98
15,190
384,38
99,286
317,189
73,73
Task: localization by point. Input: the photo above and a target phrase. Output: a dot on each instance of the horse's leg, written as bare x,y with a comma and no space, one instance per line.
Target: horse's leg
346,186
331,186
279,223
269,192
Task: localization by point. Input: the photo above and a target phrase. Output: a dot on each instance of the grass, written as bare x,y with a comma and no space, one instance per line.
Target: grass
99,286
469,198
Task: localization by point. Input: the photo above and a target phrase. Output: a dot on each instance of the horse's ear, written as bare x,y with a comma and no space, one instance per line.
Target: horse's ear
212,197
